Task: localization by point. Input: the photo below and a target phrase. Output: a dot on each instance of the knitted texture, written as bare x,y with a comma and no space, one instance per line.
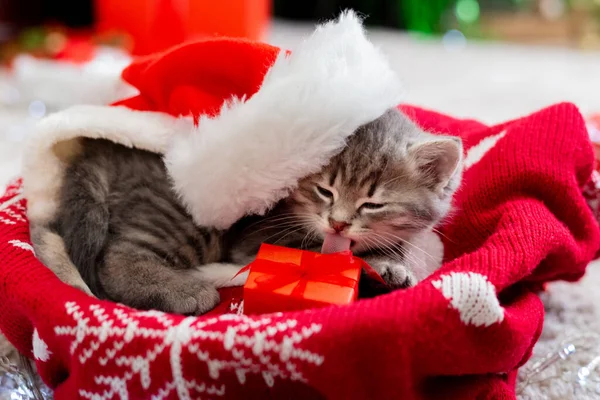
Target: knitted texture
519,220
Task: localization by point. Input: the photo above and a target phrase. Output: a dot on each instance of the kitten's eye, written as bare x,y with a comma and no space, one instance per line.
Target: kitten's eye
324,192
371,206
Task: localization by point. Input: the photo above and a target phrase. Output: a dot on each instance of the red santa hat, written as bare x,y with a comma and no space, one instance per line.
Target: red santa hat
239,122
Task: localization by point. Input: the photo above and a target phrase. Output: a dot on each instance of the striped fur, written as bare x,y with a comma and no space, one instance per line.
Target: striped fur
133,242
128,234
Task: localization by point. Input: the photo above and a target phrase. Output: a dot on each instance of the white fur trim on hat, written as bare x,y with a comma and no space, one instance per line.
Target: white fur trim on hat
255,151
54,141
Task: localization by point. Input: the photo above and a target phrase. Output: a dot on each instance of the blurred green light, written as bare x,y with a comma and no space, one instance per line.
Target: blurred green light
467,11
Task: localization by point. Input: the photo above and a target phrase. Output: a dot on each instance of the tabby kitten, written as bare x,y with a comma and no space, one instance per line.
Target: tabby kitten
133,242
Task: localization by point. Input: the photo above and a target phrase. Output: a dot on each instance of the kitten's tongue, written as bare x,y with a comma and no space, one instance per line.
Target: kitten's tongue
334,243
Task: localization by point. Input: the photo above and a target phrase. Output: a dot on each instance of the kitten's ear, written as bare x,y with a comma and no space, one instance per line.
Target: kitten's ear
437,160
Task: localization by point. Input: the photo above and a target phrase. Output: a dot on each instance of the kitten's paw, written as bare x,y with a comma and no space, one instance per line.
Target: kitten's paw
395,274
187,297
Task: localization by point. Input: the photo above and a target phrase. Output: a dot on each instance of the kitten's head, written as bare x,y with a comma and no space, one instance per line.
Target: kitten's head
392,181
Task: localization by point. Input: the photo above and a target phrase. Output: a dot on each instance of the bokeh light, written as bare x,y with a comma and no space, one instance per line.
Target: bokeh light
454,40
552,9
56,42
37,109
467,11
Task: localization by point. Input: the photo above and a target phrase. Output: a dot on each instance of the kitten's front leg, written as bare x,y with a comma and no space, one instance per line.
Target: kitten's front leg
393,272
423,255
143,280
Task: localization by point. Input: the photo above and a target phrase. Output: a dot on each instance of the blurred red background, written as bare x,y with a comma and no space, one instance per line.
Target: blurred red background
156,25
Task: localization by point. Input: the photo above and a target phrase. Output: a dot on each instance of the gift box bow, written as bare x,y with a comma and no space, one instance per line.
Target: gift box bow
300,267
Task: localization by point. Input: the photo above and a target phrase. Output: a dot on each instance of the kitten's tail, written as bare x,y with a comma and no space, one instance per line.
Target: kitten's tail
50,249
85,239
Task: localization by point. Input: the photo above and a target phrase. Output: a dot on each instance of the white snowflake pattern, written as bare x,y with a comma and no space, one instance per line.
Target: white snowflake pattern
12,209
14,188
6,221
22,245
268,346
237,307
12,212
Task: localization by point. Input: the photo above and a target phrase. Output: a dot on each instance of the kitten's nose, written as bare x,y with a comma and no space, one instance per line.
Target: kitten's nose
338,226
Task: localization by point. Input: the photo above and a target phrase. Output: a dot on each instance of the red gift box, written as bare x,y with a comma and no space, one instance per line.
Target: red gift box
284,279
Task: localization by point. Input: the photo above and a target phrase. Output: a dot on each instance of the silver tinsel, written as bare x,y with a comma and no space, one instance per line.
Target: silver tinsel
585,381
19,381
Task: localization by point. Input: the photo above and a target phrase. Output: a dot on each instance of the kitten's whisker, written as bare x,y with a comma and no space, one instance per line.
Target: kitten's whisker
379,244
413,262
282,232
417,262
284,224
287,218
261,228
279,226
386,251
308,238
408,256
289,228
314,236
311,234
271,218
367,244
426,226
388,242
412,259
304,240
288,234
402,251
280,218
443,235
413,245
398,255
